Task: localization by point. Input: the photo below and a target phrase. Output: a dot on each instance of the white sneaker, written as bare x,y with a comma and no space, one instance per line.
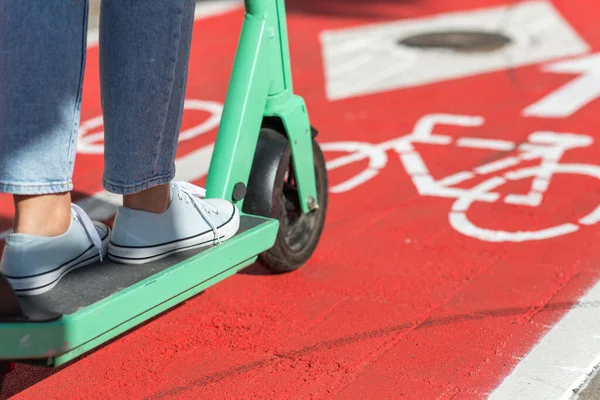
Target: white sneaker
35,264
139,237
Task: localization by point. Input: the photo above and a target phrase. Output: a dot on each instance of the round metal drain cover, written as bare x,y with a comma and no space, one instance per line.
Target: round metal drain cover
463,41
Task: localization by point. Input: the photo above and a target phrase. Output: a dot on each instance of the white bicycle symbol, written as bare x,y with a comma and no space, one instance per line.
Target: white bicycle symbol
545,145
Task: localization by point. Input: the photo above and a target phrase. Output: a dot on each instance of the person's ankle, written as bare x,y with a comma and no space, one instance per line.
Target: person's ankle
154,200
42,215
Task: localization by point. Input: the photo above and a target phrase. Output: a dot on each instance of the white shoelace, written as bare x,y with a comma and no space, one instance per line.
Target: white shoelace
89,227
188,192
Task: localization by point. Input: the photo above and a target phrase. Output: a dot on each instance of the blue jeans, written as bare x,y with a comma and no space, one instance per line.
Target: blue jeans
144,52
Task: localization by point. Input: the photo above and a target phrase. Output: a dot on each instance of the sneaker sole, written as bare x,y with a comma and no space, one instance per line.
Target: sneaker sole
42,283
144,255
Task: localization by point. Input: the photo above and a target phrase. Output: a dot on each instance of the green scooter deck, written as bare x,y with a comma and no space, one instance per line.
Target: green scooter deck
94,304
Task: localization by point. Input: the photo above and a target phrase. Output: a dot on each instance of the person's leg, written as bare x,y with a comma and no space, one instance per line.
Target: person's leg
42,56
144,52
42,215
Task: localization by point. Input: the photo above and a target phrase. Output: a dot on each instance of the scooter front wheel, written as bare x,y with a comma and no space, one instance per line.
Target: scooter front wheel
273,192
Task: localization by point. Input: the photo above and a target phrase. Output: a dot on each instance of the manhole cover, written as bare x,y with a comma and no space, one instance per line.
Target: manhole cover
463,41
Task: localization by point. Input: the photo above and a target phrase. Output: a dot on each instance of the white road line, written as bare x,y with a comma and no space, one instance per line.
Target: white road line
462,224
488,144
562,361
463,202
533,199
456,178
591,219
355,181
413,163
498,165
540,184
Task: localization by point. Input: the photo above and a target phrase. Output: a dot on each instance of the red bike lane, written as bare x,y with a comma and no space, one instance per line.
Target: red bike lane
400,300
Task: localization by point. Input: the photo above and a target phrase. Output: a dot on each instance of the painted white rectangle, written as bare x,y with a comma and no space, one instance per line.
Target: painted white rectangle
441,140
540,185
486,144
532,199
562,361
367,59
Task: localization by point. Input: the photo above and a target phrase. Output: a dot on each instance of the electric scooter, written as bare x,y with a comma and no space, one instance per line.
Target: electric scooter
265,160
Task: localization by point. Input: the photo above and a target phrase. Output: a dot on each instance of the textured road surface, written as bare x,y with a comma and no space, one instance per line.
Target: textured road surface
397,302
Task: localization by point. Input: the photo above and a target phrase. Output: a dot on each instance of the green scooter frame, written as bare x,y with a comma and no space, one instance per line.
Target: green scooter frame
265,160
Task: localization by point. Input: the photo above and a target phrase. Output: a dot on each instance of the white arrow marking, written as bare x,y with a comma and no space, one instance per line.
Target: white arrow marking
573,96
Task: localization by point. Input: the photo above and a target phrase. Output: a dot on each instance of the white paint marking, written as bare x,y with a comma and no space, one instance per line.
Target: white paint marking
404,146
376,155
456,178
530,151
366,59
423,130
487,144
573,96
564,140
591,219
498,165
464,202
531,200
563,359
540,172
440,140
355,181
413,163
437,190
425,184
345,160
461,223
540,185
214,108
358,151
